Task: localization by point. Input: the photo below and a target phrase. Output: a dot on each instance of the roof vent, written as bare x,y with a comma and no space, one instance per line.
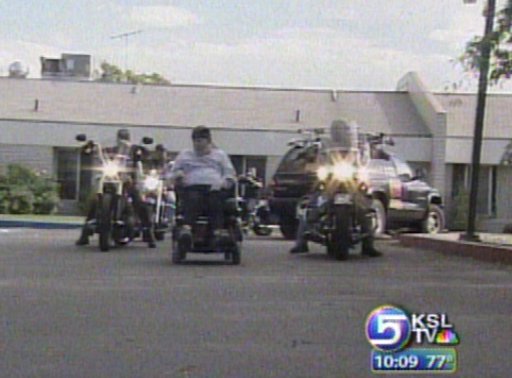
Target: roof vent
18,70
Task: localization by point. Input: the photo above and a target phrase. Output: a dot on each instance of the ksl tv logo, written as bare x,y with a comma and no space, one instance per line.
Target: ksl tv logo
390,328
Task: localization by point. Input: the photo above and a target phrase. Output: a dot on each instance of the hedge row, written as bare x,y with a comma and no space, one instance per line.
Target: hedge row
25,191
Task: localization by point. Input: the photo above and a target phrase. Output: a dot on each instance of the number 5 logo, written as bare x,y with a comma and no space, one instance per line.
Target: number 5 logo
390,322
388,328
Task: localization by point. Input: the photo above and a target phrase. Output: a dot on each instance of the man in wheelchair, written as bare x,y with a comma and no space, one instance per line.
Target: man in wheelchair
204,180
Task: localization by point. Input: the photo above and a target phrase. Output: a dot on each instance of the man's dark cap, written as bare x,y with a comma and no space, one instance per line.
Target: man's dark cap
123,134
201,132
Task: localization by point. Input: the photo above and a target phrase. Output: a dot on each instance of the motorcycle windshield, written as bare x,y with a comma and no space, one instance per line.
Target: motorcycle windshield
336,155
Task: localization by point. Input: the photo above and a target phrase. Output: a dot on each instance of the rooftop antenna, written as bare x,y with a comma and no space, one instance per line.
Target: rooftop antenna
125,36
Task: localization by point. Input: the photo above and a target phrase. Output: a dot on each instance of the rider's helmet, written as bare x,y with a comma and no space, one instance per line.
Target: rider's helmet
344,134
123,134
201,132
123,147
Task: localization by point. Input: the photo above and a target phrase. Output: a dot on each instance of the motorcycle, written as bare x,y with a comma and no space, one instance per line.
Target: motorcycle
259,219
114,220
159,199
255,211
334,215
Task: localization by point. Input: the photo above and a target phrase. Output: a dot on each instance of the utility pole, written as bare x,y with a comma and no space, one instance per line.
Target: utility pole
479,119
125,36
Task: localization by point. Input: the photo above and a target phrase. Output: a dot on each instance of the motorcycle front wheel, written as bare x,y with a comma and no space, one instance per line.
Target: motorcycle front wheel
105,223
339,241
262,230
288,227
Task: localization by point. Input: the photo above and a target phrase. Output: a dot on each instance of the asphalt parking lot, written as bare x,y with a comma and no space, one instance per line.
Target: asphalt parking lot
67,311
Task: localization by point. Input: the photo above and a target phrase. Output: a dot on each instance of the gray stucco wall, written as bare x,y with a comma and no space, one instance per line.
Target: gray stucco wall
504,192
234,142
459,150
36,157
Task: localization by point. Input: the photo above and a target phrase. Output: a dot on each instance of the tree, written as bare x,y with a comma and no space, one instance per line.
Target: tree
112,74
500,41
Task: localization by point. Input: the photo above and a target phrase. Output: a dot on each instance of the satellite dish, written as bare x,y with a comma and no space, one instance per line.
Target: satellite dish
18,70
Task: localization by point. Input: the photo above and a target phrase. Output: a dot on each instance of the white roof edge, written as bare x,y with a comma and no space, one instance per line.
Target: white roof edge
211,86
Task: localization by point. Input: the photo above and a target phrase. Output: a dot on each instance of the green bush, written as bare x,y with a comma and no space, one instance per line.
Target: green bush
4,201
46,197
19,175
24,191
21,200
460,208
46,203
460,213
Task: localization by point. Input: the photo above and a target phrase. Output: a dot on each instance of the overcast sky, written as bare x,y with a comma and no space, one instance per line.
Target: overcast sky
342,44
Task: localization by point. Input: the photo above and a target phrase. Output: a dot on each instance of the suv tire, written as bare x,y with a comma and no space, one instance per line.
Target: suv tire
434,221
380,217
288,227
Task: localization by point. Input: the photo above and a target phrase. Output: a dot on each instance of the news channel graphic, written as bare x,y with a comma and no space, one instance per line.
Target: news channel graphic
404,341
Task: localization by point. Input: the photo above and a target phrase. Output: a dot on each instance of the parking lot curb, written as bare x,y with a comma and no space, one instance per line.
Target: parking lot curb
38,224
480,251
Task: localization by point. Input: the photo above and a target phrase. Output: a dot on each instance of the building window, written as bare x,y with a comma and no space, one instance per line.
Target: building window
258,164
243,164
70,64
493,188
487,181
67,162
238,163
460,180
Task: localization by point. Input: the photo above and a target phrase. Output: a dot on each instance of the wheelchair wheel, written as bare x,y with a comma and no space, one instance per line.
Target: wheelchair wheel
177,255
160,235
236,254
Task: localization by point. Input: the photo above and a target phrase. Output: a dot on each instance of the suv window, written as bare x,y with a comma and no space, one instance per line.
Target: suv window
381,167
403,170
299,160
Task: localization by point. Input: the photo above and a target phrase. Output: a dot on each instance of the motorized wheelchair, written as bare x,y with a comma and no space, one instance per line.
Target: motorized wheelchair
203,239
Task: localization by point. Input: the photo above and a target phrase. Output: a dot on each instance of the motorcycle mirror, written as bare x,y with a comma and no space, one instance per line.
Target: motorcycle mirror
81,137
147,140
420,173
389,141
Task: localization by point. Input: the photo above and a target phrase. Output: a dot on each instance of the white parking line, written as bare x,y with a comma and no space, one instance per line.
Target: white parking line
9,230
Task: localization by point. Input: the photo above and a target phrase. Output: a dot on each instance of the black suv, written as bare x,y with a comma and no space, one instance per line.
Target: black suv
400,197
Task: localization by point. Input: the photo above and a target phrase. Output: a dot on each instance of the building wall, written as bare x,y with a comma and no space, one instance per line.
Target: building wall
447,197
233,141
459,150
503,204
504,192
39,158
434,116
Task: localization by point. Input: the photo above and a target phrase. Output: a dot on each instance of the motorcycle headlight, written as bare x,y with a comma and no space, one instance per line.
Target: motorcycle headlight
111,169
363,175
343,171
322,173
151,183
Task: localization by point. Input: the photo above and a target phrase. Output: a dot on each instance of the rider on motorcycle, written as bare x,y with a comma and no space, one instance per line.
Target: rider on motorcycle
250,187
125,153
205,166
362,202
